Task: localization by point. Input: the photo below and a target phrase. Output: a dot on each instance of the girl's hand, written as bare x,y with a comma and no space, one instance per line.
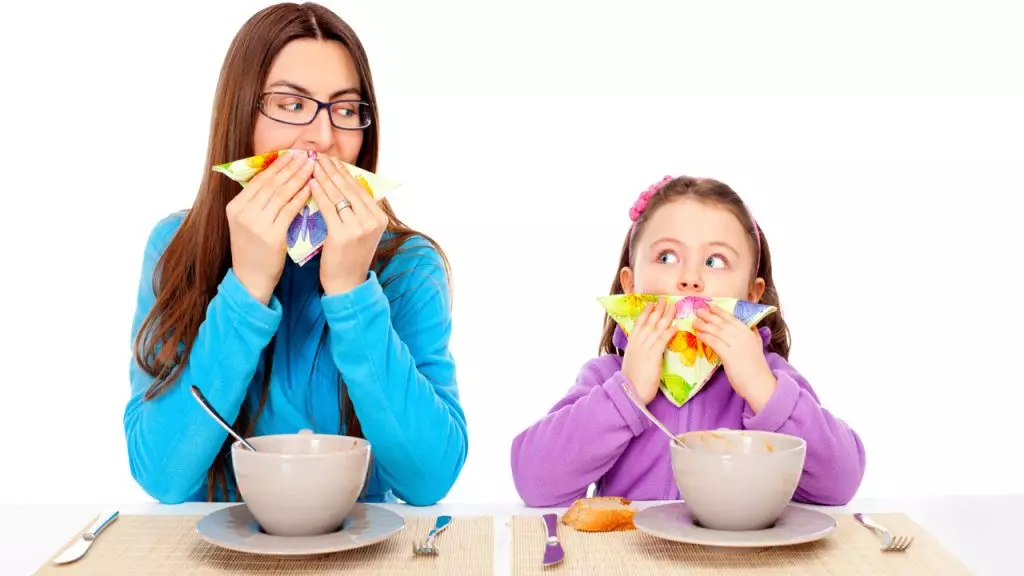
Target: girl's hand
353,233
742,352
645,350
258,219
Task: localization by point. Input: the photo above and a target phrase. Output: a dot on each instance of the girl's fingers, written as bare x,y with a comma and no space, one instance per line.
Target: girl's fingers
666,336
720,323
641,319
713,341
706,327
708,318
657,322
706,314
666,317
726,317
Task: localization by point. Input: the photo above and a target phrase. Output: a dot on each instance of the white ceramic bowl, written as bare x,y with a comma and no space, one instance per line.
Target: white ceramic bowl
301,484
737,479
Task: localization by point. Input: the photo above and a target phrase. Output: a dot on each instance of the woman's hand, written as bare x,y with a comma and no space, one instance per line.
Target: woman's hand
258,219
742,352
353,232
645,349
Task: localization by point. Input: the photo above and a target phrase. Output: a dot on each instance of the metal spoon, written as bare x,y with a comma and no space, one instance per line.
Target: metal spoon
640,405
210,410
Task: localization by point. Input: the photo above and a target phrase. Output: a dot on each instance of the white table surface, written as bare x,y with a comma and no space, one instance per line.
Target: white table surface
984,532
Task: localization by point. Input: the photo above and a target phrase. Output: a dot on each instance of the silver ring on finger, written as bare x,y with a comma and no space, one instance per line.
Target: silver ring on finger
342,204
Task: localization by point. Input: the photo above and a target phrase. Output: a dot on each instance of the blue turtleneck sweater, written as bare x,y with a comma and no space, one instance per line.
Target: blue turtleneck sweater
388,336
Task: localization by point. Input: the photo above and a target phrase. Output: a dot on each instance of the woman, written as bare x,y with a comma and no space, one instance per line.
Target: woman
353,342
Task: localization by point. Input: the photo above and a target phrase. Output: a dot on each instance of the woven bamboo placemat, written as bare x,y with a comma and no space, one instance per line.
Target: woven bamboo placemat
147,545
851,550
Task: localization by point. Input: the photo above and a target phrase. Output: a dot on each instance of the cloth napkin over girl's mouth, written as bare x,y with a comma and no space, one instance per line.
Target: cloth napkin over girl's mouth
308,231
688,363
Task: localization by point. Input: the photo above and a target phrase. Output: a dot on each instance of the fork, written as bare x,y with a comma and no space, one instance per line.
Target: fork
889,544
426,547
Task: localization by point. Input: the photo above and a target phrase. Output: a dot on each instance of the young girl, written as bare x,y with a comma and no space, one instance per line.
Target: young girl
690,237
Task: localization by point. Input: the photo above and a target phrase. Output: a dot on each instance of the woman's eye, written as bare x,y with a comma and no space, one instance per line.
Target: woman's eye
715,262
667,258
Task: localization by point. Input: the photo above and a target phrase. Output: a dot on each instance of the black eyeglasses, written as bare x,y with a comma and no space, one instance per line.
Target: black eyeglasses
299,110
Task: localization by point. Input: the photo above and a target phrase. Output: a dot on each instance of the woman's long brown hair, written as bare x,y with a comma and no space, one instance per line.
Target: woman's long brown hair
198,257
717,193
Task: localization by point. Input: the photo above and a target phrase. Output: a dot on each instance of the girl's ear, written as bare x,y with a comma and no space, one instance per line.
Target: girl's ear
626,279
756,290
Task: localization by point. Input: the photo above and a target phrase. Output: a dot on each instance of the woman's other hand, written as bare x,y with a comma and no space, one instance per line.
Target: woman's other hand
353,231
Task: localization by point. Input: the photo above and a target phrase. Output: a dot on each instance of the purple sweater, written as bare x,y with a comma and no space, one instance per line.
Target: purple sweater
596,435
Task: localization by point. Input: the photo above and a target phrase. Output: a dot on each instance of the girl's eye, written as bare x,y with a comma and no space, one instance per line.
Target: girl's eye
667,258
715,262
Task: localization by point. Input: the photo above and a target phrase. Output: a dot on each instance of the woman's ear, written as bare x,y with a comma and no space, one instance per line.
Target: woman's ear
756,290
626,279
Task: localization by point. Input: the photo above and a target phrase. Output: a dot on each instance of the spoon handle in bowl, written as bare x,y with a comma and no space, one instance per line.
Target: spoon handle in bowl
216,416
636,401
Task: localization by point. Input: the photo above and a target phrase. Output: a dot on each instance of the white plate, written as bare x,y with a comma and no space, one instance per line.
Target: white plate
796,525
235,528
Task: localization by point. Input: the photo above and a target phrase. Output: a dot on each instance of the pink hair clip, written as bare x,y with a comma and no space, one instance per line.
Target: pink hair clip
641,203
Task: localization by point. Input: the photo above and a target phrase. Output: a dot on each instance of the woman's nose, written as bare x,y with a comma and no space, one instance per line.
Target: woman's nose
319,134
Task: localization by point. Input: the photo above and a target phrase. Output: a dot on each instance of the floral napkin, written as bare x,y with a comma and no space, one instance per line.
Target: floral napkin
308,231
688,363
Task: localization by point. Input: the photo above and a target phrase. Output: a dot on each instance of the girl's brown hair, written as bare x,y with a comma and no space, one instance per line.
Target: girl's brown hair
198,257
711,192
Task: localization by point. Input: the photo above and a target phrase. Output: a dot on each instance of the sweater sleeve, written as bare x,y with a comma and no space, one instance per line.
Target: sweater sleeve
834,465
555,460
171,440
390,341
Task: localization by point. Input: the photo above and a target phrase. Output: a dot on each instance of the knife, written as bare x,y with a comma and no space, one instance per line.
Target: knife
553,552
81,546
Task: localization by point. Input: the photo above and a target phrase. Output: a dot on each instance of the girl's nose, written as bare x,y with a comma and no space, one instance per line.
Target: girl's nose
691,284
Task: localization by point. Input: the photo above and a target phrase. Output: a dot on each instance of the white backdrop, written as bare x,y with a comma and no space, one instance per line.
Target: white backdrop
880,149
